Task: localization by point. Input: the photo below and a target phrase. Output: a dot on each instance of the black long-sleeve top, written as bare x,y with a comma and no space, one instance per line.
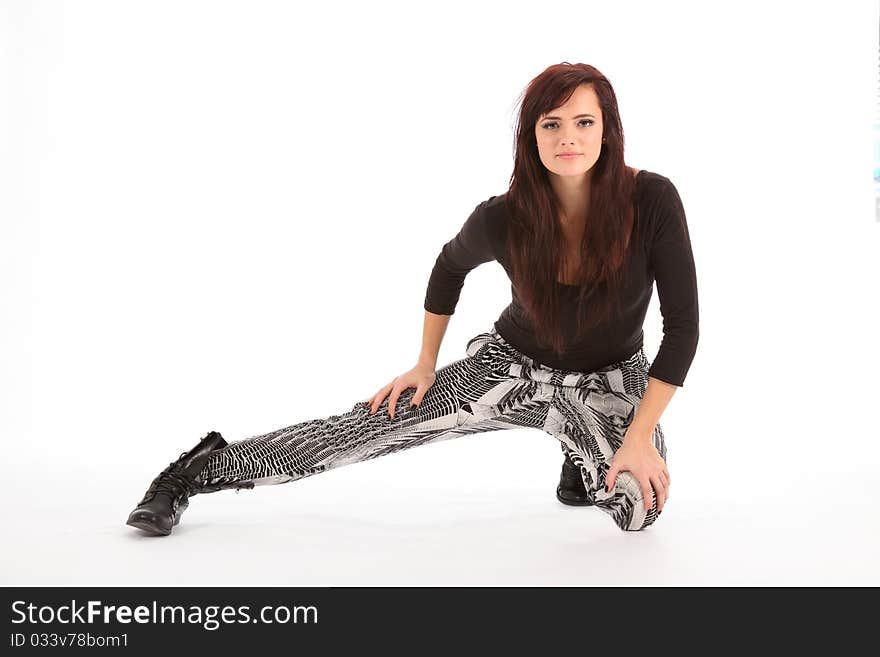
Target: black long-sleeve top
660,249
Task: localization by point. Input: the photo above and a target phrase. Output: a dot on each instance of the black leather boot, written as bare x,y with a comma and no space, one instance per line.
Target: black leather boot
168,495
571,489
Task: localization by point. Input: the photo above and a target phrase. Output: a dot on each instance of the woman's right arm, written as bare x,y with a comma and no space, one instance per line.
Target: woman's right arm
432,336
422,376
472,246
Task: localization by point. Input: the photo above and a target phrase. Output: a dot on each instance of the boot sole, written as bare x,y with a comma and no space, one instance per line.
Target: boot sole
147,526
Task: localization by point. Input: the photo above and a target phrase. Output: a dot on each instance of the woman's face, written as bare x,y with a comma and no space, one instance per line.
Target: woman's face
567,129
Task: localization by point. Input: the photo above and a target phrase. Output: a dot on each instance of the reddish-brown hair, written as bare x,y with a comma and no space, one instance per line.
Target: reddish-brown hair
534,236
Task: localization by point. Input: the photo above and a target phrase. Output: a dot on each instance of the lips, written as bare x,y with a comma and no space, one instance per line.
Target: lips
561,154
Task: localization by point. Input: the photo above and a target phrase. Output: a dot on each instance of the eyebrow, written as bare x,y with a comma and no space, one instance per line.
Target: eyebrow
560,118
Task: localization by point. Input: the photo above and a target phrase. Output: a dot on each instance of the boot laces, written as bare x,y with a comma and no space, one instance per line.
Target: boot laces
171,481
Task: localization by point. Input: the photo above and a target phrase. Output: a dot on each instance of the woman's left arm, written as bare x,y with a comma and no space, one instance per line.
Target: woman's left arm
672,262
638,454
650,409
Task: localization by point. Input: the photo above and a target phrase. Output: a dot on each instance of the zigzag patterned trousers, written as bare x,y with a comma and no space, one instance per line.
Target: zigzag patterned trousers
495,387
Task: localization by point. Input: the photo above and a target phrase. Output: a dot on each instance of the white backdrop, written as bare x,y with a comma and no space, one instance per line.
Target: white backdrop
223,216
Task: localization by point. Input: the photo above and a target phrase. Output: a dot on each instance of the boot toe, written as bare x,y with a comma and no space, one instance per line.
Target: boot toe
151,522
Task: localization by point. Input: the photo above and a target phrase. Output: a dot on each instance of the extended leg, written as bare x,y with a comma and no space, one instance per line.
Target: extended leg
468,396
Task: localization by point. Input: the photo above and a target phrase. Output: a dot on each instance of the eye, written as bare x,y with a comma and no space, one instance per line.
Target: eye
553,123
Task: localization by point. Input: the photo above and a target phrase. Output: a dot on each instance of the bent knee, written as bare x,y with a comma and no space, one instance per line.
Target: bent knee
626,503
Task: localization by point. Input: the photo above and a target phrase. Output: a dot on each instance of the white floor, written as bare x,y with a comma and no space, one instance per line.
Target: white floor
175,259
405,520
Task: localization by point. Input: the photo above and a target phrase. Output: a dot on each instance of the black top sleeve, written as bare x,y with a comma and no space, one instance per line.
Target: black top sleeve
672,261
472,246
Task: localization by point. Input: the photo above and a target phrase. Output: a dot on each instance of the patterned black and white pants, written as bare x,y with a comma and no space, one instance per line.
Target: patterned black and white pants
495,387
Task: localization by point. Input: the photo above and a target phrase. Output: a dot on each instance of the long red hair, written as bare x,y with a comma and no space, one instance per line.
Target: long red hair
534,236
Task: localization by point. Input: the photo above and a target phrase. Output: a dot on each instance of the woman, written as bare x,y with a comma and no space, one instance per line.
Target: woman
582,237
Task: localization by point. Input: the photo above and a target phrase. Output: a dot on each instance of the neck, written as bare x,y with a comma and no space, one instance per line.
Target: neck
574,198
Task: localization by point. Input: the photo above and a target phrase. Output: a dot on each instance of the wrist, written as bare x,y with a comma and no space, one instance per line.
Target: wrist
426,363
639,432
